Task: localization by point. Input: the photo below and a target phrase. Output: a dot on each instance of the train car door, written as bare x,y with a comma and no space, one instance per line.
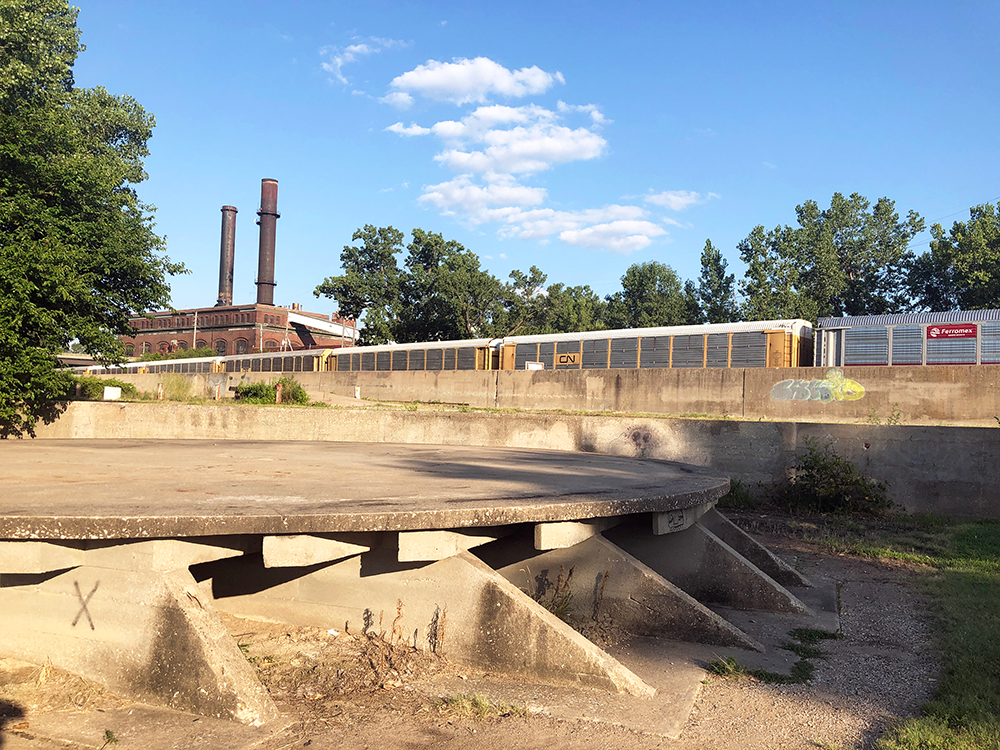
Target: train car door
776,349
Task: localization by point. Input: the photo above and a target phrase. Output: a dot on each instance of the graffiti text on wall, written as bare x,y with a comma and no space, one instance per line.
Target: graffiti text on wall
835,387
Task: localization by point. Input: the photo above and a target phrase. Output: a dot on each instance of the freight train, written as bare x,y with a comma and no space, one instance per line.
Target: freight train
772,343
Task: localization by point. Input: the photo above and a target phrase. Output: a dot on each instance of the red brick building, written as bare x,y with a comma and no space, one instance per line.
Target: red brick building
239,329
242,329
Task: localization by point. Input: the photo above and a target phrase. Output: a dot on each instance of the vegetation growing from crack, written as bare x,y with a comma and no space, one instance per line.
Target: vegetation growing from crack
802,670
478,707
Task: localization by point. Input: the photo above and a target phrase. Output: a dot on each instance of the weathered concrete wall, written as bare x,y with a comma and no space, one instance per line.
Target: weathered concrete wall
947,470
968,395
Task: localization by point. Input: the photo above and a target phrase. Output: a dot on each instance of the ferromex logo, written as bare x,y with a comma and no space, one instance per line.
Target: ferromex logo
957,331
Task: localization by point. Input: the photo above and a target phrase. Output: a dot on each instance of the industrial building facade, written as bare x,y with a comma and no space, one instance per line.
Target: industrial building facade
242,329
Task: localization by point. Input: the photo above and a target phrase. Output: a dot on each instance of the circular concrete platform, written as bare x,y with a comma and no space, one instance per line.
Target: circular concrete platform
129,489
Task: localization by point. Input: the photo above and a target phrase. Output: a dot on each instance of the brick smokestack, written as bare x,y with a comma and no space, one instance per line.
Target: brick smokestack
227,256
268,221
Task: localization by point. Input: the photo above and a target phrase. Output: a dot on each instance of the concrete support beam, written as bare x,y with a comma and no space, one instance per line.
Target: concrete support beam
40,557
430,546
149,635
613,594
707,568
753,550
677,520
298,550
457,607
562,534
166,554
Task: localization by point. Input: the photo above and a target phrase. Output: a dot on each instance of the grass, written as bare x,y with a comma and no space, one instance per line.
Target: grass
965,710
802,670
479,707
961,560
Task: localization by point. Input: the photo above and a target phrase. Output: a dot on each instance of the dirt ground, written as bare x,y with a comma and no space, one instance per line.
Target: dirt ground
339,690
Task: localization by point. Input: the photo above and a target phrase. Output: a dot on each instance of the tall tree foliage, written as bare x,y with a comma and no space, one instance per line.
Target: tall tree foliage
962,268
851,258
651,295
78,254
716,291
441,292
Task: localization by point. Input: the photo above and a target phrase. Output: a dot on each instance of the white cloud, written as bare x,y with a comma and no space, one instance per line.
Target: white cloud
463,81
592,109
477,202
338,57
678,200
397,99
769,165
399,129
617,236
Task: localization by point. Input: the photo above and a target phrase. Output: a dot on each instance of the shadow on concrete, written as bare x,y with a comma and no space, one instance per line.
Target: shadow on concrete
10,713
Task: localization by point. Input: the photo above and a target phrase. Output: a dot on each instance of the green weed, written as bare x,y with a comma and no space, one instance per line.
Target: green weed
479,707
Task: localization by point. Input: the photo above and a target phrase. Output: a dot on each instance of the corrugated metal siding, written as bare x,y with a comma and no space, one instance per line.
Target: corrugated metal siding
356,362
523,354
689,351
435,358
382,361
546,354
568,347
867,346
595,354
989,343
718,350
749,350
368,361
343,363
416,359
467,358
654,352
624,353
399,360
951,351
954,316
907,345
449,359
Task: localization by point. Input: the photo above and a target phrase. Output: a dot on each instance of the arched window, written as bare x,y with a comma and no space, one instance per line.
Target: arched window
163,347
270,345
220,347
145,347
242,346
201,344
129,350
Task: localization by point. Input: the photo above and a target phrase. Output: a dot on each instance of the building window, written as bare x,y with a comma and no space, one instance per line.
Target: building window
220,347
201,344
270,345
163,347
242,346
129,350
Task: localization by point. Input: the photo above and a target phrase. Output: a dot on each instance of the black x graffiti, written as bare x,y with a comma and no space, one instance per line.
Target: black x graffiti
83,604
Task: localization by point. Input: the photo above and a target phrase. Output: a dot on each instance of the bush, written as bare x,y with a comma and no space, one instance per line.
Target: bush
292,392
92,388
827,483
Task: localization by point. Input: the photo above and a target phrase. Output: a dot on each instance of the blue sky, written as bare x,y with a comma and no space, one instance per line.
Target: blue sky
578,137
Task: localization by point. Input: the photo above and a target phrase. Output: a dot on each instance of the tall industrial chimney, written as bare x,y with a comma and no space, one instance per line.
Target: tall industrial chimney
268,221
227,255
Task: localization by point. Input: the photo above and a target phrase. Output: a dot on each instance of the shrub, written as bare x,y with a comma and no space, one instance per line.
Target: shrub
203,351
825,482
92,388
292,392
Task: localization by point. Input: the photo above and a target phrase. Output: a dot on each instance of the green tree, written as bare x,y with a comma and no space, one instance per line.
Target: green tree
962,268
372,283
849,259
771,285
78,254
652,295
571,308
716,292
441,293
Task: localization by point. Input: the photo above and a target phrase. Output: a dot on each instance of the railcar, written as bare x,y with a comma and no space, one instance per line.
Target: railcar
772,343
970,337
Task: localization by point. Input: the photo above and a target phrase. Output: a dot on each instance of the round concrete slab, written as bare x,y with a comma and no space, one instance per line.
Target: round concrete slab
117,489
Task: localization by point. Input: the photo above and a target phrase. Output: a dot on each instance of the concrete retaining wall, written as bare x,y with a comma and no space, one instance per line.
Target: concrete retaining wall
946,470
967,395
